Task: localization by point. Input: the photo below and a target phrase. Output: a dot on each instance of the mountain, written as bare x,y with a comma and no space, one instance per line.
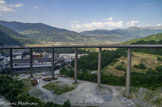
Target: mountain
10,37
109,35
44,33
120,35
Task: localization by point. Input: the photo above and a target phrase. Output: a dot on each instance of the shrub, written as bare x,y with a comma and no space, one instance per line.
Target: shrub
159,59
140,66
120,67
159,68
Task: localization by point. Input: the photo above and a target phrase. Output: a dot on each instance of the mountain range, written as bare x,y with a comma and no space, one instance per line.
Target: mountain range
42,34
120,35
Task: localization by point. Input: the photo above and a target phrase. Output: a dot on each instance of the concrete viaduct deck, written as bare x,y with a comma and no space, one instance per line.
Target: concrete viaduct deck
129,47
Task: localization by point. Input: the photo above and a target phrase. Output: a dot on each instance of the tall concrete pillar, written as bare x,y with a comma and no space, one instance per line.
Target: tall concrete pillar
99,68
76,65
53,75
11,62
31,63
128,72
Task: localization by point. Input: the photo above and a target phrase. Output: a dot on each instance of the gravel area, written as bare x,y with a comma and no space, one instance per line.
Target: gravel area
127,101
85,93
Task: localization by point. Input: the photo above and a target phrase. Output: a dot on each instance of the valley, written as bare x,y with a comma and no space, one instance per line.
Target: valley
39,34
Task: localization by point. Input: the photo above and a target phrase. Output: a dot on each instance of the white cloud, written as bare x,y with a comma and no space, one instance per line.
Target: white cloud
108,24
17,5
4,7
159,25
131,23
110,19
97,25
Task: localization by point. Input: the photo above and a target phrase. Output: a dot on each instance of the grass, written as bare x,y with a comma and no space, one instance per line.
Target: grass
149,60
28,84
156,37
59,88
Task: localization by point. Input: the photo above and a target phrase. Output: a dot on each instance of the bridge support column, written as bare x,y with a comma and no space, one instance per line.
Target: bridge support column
128,72
99,68
53,75
11,62
76,65
31,63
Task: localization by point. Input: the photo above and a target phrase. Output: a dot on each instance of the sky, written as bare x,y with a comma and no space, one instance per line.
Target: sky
81,15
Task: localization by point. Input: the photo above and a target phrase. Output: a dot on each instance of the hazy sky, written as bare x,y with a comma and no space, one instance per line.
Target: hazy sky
79,15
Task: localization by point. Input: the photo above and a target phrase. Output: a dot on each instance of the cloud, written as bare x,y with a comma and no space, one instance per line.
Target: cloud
131,23
110,19
159,25
108,24
17,5
4,7
97,25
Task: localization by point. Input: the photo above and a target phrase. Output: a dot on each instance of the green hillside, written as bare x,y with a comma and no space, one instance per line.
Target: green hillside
152,39
10,37
45,34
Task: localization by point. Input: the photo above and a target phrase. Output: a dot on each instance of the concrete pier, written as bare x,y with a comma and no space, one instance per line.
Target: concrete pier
99,68
76,65
53,75
11,62
31,63
128,72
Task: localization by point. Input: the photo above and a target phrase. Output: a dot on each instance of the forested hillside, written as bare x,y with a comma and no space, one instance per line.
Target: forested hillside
152,39
45,34
10,37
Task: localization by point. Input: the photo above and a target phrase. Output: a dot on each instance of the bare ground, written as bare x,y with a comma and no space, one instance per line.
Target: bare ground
85,93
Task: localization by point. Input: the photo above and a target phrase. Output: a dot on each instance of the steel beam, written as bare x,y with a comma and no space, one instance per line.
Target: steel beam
99,68
76,65
53,75
128,72
31,63
91,46
11,62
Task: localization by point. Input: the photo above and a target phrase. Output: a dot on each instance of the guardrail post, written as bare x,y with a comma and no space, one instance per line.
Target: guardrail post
128,72
99,68
76,65
53,75
11,62
31,63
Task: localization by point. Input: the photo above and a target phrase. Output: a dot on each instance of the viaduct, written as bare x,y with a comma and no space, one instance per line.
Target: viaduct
129,47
